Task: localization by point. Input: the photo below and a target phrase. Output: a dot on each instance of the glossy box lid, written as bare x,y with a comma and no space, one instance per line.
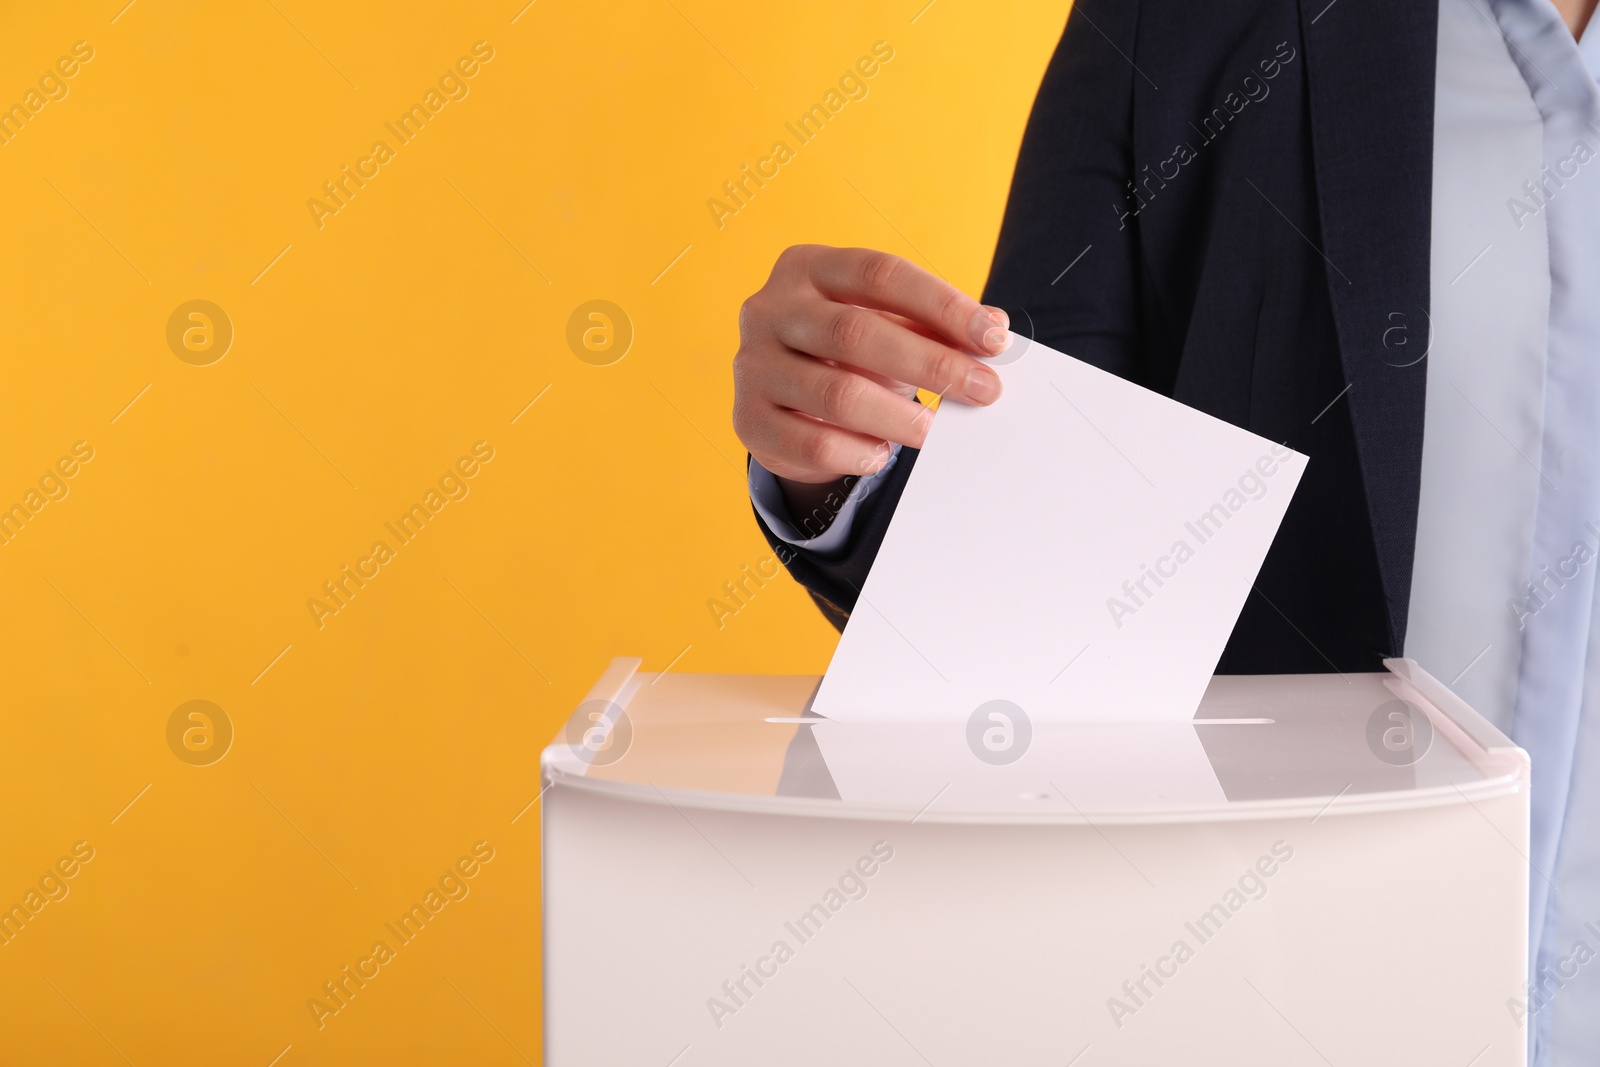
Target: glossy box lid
1260,746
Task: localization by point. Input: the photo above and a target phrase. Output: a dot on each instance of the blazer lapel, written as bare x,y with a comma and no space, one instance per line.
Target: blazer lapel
1370,67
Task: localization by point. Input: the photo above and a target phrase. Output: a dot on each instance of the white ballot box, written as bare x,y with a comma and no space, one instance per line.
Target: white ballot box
1315,869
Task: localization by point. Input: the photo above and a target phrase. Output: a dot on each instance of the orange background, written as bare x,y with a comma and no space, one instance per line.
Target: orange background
368,354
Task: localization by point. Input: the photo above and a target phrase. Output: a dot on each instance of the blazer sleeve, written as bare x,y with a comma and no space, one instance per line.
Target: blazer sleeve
1065,267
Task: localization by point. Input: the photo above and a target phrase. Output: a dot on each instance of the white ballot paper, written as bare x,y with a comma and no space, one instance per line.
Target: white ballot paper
1080,549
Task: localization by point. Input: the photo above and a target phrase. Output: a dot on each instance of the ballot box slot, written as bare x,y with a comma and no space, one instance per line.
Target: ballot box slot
1258,747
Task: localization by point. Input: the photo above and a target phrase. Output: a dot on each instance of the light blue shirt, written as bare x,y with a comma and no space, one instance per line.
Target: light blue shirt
767,496
1508,526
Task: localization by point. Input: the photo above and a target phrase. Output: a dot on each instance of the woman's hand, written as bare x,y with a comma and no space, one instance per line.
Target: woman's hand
832,350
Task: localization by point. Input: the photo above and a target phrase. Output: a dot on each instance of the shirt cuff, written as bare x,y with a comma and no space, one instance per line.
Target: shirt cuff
767,496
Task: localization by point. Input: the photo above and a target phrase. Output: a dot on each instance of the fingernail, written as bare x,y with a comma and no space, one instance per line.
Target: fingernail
982,331
998,316
983,386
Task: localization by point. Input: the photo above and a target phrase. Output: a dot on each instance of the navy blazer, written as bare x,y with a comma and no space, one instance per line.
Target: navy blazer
1230,203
